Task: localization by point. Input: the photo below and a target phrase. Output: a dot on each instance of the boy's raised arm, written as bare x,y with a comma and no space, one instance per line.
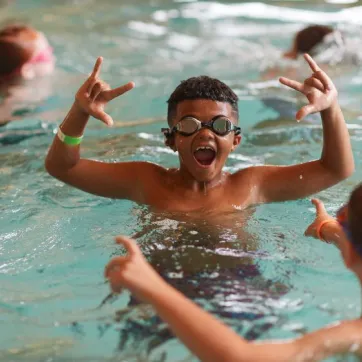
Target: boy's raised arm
118,180
280,183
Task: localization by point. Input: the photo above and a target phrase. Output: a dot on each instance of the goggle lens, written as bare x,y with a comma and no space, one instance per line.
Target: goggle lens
188,126
221,126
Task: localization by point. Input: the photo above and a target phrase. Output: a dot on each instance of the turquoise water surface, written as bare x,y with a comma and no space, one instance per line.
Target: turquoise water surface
55,240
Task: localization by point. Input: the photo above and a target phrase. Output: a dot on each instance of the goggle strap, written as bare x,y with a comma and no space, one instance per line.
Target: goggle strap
167,132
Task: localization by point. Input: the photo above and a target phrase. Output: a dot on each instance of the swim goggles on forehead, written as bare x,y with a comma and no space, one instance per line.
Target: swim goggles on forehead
220,125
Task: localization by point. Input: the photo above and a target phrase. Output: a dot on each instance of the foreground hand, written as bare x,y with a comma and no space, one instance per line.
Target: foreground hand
319,90
94,94
132,271
321,216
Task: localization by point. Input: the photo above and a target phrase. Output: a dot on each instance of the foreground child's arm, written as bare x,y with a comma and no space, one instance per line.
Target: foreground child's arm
209,339
119,180
336,162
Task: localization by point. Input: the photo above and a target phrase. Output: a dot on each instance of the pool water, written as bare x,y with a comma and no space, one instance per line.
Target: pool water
254,270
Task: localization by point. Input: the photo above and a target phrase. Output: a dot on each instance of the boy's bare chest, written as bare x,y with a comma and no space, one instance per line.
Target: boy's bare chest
218,199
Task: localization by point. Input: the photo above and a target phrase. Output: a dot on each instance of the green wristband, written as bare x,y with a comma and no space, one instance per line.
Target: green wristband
68,140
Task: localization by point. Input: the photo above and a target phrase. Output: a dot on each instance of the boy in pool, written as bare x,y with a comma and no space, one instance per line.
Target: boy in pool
209,339
203,129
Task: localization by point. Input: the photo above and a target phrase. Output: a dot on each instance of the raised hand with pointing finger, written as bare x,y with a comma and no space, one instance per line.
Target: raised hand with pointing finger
318,88
132,272
94,94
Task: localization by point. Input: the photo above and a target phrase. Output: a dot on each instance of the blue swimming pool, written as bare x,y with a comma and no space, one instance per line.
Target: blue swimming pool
256,271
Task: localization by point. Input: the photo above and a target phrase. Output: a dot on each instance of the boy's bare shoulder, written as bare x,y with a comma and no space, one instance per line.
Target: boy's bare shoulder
243,184
148,171
146,166
245,175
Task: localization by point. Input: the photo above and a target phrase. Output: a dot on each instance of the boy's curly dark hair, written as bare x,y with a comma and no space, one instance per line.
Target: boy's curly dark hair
202,87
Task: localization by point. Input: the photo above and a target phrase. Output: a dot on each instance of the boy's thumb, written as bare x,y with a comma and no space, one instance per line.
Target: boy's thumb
319,206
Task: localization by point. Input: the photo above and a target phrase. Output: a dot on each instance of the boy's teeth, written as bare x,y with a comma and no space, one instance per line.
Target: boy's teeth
204,148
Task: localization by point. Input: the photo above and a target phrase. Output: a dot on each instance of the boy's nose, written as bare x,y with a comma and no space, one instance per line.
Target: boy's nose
205,133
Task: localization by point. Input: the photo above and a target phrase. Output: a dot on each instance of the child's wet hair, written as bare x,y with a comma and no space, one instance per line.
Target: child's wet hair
12,30
202,87
308,38
355,217
13,55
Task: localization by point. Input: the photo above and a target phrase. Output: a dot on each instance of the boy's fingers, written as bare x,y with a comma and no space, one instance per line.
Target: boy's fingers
97,67
93,77
312,63
91,82
130,245
104,117
115,286
307,232
93,94
326,81
319,206
311,232
291,83
116,262
304,111
315,83
116,92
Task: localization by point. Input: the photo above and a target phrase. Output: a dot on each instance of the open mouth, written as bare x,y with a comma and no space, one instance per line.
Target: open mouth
205,156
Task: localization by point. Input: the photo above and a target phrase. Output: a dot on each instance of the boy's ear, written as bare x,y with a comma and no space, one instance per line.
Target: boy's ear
236,142
170,142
